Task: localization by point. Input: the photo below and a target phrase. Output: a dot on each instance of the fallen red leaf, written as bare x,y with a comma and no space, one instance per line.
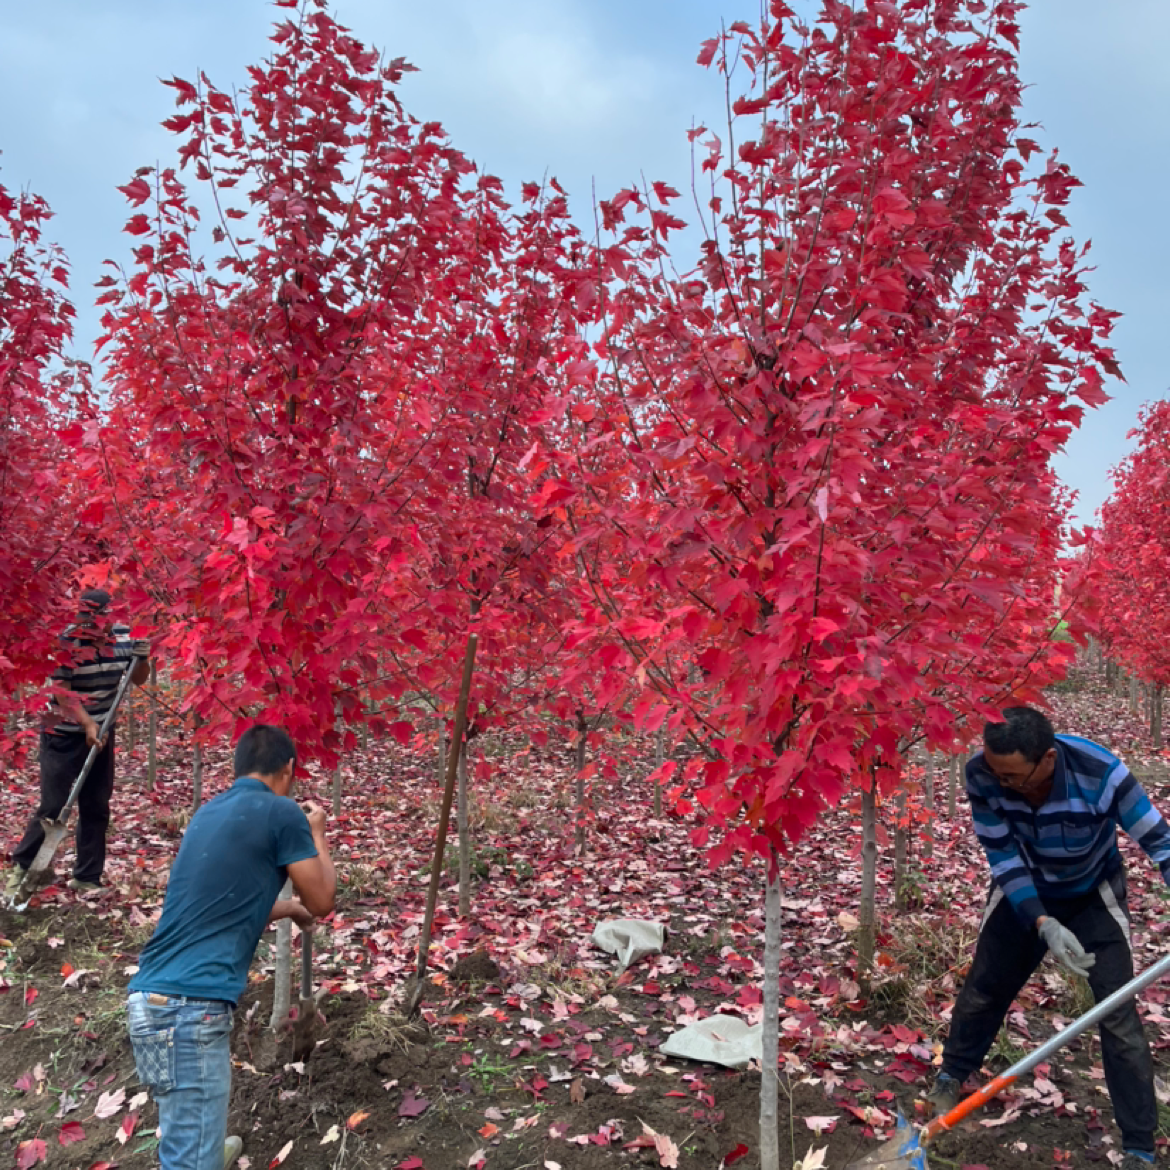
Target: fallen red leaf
71,1132
413,1105
30,1153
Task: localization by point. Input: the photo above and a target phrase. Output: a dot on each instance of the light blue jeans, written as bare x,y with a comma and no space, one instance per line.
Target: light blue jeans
182,1051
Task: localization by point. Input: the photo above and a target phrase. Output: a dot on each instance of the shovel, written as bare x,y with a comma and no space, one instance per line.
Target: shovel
304,1038
55,829
907,1149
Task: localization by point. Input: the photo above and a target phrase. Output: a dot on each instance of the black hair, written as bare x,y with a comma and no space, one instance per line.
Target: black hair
263,750
1024,730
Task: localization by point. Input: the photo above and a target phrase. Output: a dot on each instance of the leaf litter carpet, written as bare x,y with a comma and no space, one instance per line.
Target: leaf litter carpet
532,1049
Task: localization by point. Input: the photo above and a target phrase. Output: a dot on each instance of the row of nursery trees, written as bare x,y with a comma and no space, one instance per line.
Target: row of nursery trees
794,505
1135,586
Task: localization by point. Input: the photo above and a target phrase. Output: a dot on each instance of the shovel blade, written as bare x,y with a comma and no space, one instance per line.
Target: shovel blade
54,834
904,1151
42,863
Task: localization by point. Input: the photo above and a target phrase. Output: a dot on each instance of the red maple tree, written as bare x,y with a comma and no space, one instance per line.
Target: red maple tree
43,542
836,430
1134,591
269,410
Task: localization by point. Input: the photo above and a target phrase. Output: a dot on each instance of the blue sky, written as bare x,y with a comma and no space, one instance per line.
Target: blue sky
593,92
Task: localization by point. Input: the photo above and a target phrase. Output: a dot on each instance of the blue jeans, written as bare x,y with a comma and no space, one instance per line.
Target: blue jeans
182,1051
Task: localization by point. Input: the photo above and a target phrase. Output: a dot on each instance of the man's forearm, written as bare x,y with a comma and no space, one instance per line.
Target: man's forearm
283,908
74,710
326,861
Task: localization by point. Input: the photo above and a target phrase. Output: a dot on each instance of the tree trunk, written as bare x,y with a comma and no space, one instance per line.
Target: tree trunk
424,940
463,821
1133,694
928,806
900,835
131,721
337,790
1156,718
953,784
282,978
659,759
770,1040
197,771
867,911
365,733
442,750
582,749
14,716
152,729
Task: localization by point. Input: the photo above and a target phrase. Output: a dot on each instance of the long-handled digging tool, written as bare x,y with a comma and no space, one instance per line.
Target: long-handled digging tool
55,829
304,1038
907,1149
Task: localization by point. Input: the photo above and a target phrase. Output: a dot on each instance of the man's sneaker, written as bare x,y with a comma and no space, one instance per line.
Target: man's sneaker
1131,1160
233,1147
15,877
83,887
944,1094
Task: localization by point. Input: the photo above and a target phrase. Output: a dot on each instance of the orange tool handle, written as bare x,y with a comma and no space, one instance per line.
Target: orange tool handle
967,1105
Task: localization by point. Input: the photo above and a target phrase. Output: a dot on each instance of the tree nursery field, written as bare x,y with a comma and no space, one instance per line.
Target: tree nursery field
683,581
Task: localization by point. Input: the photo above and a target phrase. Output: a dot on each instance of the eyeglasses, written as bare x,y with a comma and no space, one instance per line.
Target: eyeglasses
1015,780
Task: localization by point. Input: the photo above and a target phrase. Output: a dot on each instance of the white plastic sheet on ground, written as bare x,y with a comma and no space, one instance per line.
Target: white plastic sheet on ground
629,938
724,1040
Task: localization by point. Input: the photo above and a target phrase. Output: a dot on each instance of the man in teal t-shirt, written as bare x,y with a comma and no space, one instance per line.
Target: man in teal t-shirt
222,893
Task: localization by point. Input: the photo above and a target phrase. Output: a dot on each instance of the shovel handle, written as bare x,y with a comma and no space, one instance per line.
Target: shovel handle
968,1105
103,731
307,964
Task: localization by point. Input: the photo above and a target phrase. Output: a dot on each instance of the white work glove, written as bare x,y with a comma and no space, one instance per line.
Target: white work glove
1065,946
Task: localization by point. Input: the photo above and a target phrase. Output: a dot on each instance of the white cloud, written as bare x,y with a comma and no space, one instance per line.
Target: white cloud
549,79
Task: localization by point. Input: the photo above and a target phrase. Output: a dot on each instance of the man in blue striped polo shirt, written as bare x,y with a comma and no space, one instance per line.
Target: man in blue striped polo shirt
99,654
1046,810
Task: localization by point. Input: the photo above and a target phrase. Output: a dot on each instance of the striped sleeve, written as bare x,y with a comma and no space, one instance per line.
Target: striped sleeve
92,675
1145,825
995,836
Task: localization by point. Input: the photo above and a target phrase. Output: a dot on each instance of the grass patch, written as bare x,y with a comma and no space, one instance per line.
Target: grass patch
928,949
486,1069
384,1028
1005,1051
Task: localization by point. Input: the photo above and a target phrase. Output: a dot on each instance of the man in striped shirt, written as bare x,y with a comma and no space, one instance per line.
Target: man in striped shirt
1046,810
100,653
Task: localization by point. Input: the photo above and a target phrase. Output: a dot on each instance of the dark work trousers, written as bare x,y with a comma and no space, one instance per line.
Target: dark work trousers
1009,951
62,756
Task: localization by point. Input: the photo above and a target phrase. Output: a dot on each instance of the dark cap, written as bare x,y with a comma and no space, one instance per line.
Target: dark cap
95,600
